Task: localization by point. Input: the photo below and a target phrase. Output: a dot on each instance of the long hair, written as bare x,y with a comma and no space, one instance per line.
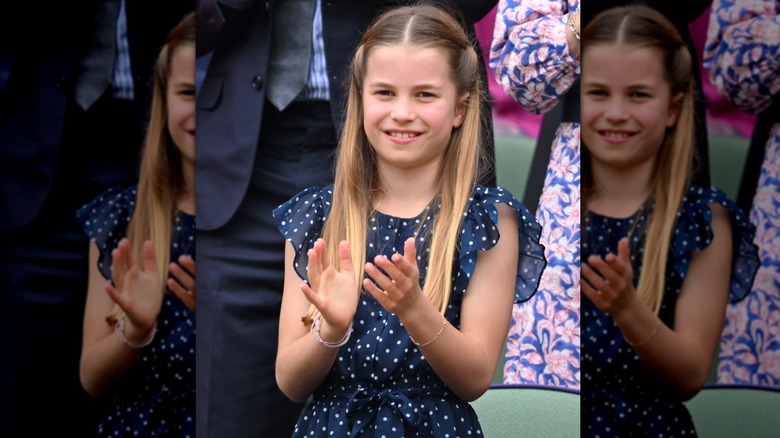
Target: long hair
161,181
642,26
356,179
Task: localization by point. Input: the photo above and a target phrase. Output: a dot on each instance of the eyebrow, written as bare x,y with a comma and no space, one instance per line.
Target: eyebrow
423,86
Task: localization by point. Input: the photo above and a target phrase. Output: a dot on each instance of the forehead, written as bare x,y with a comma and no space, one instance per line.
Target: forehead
405,63
621,64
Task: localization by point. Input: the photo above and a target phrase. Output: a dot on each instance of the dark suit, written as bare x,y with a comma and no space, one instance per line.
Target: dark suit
54,157
251,158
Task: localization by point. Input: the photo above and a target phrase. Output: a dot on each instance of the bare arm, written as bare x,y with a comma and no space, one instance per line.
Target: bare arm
301,362
681,358
486,311
104,357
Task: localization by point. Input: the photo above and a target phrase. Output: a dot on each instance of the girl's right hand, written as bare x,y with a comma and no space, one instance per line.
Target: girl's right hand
136,290
610,281
334,292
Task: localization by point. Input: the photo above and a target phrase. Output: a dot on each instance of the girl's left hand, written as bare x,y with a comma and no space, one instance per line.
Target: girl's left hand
183,282
610,281
400,287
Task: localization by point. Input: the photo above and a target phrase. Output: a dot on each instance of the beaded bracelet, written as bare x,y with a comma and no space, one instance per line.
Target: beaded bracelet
571,23
315,329
120,331
644,341
441,329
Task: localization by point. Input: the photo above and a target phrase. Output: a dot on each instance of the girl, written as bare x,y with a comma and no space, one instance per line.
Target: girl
536,57
138,349
663,257
400,350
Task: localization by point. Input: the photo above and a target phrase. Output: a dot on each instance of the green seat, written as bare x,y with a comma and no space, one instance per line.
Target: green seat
528,410
513,162
735,411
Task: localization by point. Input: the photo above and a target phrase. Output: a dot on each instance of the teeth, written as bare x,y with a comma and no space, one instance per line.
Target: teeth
616,134
402,135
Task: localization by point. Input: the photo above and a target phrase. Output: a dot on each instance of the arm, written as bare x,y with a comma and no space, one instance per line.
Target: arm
486,312
104,357
301,362
532,55
679,357
742,51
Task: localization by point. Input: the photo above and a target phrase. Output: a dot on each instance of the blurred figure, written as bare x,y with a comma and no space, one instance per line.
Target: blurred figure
138,353
663,256
535,56
73,100
740,56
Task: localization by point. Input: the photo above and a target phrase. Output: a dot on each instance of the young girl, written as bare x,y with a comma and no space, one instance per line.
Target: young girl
662,257
138,349
410,269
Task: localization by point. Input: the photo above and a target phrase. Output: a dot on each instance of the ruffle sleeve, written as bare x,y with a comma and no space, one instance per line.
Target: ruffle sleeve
694,232
300,220
105,220
480,233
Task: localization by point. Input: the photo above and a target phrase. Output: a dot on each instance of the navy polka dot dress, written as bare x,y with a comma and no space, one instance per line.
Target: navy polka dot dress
620,397
157,398
380,384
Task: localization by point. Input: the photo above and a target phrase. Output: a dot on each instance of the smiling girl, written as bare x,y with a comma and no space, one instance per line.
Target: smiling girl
138,352
409,268
662,256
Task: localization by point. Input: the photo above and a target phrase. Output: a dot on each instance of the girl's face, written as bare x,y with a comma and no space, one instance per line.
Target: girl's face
627,105
410,106
180,98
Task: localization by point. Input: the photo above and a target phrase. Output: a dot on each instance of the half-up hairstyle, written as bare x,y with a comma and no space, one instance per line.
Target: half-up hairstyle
644,27
356,181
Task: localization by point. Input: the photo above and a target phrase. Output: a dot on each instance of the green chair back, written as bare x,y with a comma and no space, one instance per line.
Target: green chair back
736,412
510,411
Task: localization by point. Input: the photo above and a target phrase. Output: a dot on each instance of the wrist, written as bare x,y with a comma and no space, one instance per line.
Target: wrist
132,335
317,332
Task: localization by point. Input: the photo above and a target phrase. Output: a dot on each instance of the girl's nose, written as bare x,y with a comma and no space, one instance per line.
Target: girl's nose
403,110
616,110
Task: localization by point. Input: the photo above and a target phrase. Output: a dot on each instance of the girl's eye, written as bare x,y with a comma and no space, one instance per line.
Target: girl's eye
383,93
597,93
640,95
426,95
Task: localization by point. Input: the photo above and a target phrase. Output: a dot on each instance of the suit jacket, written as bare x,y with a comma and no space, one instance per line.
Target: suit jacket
231,99
37,90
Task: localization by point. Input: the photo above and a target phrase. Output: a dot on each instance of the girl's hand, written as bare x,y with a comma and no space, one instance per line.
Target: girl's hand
400,287
136,291
332,291
610,281
183,282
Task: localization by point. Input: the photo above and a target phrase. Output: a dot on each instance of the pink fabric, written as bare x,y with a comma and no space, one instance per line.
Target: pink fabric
723,117
509,119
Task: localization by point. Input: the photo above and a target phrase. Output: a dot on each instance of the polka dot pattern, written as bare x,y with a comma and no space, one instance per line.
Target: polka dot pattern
380,383
621,398
157,398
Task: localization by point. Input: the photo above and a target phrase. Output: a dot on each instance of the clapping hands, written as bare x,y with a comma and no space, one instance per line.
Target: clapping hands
136,289
333,291
610,280
400,286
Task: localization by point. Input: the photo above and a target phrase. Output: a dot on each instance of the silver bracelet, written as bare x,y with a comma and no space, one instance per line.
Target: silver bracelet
315,329
120,331
571,23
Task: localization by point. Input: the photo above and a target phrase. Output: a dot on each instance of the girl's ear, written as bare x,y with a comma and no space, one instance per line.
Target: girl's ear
675,106
460,111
